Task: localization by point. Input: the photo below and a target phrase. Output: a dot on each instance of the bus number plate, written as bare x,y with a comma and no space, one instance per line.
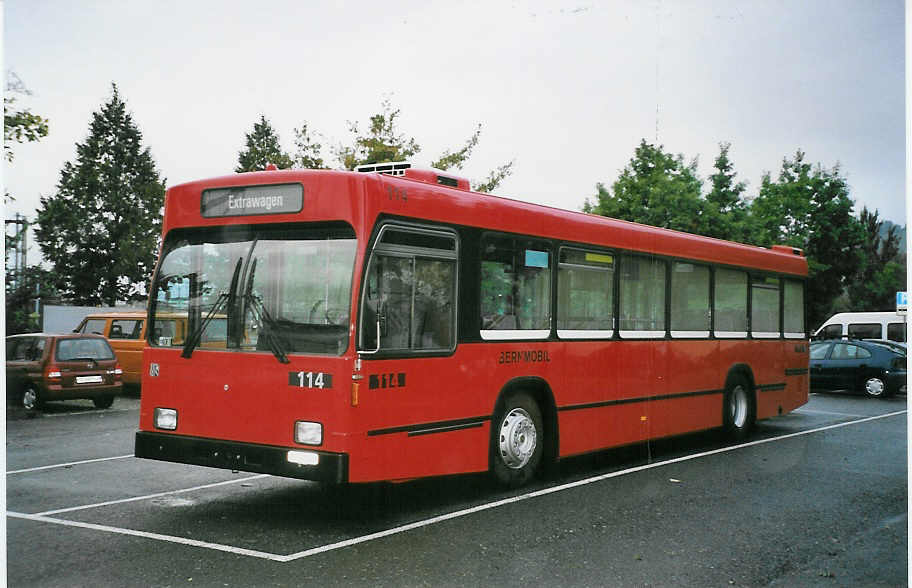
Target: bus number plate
319,380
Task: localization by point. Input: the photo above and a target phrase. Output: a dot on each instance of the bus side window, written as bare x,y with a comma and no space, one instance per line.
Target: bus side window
642,297
515,288
411,290
585,294
730,303
690,312
765,307
793,311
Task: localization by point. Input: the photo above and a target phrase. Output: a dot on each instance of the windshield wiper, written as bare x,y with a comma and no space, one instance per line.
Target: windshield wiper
262,316
193,339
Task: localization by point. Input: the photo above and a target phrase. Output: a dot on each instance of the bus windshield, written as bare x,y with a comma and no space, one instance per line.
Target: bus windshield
282,289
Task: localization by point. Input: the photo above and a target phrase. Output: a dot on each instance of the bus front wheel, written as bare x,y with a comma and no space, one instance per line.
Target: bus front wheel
517,440
737,409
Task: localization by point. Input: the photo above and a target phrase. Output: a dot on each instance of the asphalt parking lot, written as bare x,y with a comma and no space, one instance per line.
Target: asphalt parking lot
818,497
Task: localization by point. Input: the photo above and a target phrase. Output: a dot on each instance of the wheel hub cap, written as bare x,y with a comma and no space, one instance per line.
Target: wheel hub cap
874,387
739,407
517,438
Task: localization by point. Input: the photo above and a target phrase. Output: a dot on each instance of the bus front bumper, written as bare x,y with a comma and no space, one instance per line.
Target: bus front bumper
247,457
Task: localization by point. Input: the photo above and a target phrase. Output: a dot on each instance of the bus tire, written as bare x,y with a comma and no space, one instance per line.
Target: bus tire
738,412
517,440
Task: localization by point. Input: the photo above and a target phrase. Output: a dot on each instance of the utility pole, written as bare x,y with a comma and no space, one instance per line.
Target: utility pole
20,248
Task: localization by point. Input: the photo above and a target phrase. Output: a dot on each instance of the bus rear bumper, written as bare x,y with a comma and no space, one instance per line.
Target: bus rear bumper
248,457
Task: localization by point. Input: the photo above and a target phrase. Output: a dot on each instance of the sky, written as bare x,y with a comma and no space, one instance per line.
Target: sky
567,90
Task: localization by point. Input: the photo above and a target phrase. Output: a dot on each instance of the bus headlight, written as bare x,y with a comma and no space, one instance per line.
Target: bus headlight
165,418
307,433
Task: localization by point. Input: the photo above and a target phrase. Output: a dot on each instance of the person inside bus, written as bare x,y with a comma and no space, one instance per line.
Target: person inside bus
406,314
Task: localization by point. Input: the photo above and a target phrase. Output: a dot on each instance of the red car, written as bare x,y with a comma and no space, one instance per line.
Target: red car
42,367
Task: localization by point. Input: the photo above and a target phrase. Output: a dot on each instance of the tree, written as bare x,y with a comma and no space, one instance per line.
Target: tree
656,188
383,142
456,159
21,292
19,125
262,149
725,211
307,151
881,273
810,208
23,283
100,230
494,178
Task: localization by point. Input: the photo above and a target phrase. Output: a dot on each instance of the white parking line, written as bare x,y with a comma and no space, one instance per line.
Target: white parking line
561,488
418,524
94,411
828,413
66,465
149,496
146,535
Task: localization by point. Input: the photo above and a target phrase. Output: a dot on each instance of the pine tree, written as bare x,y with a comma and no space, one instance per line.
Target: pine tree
725,210
100,230
262,149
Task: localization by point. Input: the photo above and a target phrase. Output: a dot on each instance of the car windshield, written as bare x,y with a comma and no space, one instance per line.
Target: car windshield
247,288
74,349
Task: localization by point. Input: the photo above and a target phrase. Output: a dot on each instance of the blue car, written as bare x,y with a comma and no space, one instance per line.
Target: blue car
876,368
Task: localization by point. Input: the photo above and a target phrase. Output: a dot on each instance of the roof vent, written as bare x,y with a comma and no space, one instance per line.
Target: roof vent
392,168
408,170
788,249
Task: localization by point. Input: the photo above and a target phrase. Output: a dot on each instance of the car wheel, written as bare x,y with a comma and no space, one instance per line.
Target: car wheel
517,440
31,399
875,387
737,409
103,401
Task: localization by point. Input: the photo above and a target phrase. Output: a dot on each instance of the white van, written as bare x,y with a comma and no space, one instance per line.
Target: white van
864,325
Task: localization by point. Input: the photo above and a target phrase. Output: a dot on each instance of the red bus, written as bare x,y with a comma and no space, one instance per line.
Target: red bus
388,326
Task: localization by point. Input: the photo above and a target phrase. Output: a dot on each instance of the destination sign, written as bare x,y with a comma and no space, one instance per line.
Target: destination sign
252,200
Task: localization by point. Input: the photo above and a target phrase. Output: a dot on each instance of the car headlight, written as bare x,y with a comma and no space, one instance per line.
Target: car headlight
307,433
165,418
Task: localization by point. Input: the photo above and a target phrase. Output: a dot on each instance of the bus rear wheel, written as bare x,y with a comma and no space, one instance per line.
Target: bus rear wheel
517,440
737,409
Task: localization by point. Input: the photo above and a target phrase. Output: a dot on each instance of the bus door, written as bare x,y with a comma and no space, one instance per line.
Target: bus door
410,293
406,337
